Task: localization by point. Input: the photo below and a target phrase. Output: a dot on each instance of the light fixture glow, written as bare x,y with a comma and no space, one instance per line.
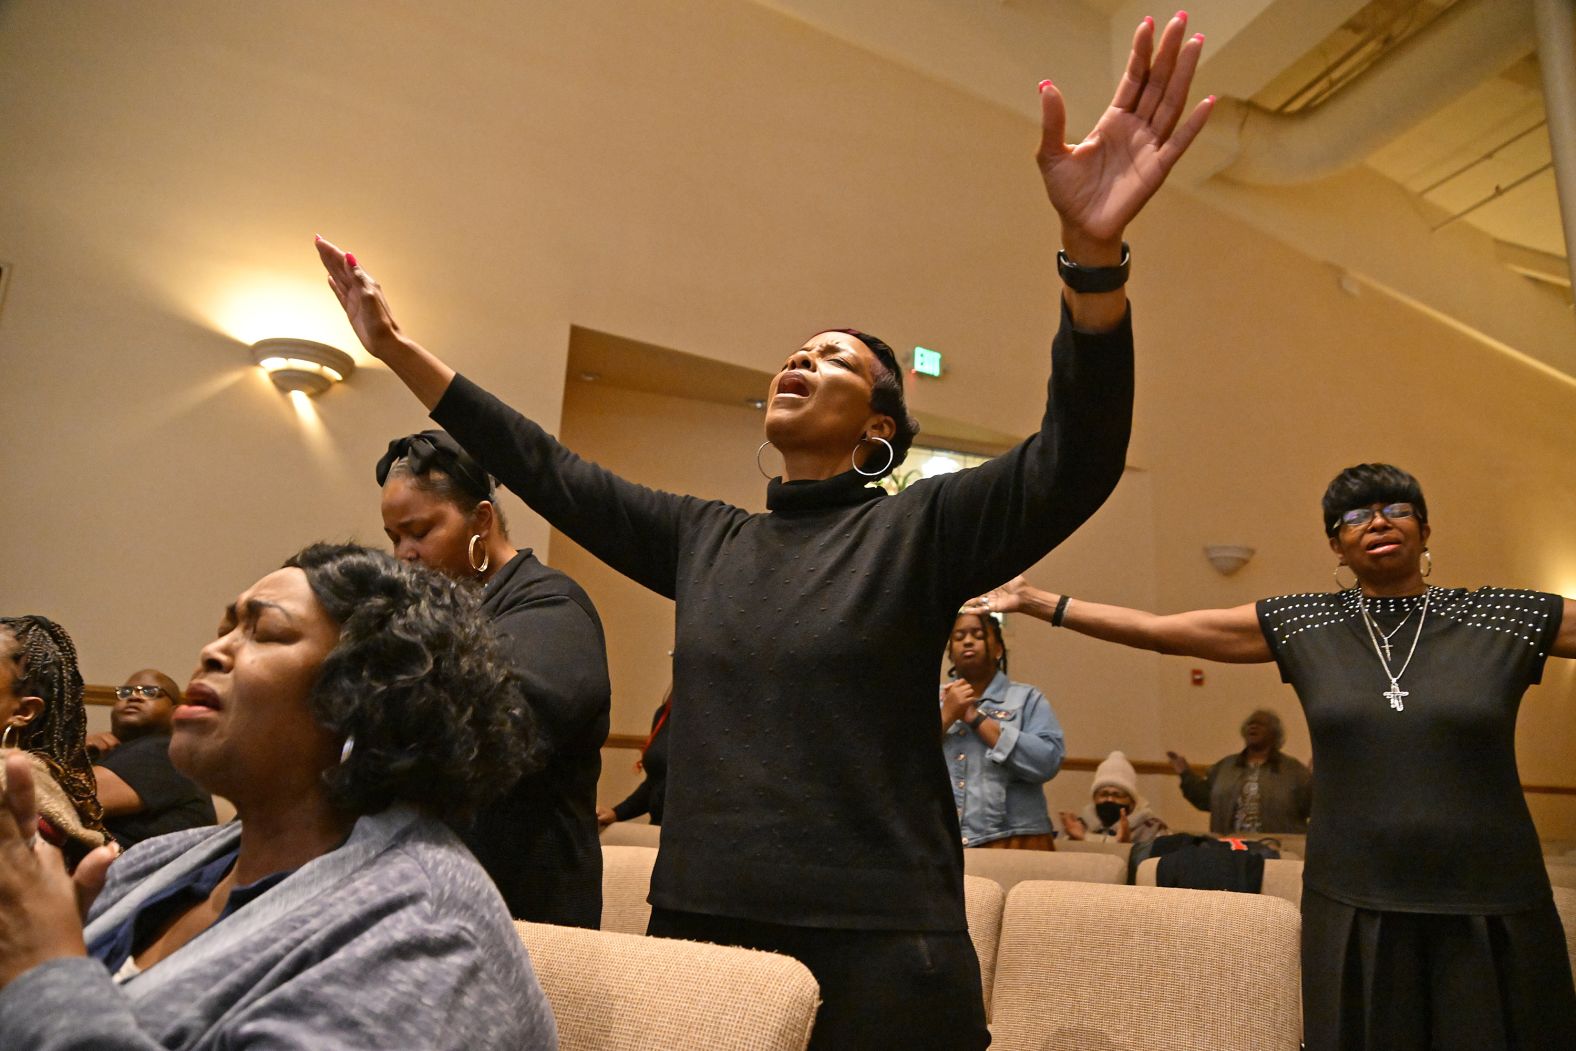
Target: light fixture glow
301,365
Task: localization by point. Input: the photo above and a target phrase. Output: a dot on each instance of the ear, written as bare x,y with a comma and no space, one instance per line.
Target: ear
1335,545
1426,532
27,709
483,518
880,426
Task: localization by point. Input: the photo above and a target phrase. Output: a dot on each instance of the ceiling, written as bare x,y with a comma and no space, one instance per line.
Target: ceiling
1460,201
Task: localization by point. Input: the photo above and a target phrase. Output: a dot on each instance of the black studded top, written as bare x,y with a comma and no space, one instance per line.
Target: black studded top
805,783
1417,803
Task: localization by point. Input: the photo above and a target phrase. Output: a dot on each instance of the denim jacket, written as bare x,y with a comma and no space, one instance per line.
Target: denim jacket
998,790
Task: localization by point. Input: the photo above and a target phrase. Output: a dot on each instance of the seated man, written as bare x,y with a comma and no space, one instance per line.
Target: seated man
143,795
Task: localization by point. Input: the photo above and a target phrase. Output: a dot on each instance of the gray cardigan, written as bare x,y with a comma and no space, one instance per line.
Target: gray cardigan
395,939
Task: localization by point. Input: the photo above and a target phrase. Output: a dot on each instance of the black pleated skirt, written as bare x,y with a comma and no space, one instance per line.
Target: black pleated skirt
1406,981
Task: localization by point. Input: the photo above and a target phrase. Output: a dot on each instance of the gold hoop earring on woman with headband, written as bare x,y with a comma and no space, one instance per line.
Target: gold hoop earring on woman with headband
476,538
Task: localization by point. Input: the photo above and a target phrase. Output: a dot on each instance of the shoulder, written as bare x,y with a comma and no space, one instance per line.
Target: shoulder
138,750
1519,613
1285,616
531,583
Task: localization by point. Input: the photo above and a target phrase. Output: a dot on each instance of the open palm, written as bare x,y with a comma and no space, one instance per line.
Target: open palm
1101,183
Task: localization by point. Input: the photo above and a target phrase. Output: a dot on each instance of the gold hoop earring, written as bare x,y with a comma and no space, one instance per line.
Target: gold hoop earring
1336,573
476,538
760,449
7,735
1430,570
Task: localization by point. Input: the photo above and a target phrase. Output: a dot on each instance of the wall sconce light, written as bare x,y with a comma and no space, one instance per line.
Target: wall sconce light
302,365
1227,558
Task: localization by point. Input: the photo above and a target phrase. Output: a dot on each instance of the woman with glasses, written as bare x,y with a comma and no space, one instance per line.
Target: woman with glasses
42,717
1416,932
806,812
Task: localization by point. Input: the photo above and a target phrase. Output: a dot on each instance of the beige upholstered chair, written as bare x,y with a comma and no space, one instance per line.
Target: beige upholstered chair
626,880
631,834
983,900
622,992
1093,846
1177,957
1282,877
1008,867
1561,874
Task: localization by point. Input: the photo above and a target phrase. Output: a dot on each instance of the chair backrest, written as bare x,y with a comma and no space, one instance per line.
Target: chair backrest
1008,867
632,834
1187,973
983,900
619,992
1282,877
626,880
1565,902
1094,846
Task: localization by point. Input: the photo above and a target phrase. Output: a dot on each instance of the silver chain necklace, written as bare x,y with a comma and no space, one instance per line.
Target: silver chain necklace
1386,636
1394,694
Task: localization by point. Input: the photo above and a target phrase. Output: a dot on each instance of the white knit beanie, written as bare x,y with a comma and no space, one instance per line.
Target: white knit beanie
1116,772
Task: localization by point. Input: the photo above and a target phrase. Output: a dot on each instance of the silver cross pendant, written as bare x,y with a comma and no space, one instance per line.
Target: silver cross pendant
1394,695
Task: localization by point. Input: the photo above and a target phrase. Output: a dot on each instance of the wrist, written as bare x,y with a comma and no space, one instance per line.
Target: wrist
1087,250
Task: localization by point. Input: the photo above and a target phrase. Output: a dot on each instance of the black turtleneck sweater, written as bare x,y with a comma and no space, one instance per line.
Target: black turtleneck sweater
805,785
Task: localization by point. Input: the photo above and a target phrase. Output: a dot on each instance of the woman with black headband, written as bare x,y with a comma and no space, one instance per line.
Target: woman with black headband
807,810
1417,933
538,841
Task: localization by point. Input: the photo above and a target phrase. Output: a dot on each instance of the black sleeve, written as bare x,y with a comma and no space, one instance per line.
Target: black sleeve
996,520
144,764
1197,790
639,802
635,530
558,651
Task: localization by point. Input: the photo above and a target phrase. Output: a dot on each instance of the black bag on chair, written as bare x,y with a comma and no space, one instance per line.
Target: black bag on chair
1206,863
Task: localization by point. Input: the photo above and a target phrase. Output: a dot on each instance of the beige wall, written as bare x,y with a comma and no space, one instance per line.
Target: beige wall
709,177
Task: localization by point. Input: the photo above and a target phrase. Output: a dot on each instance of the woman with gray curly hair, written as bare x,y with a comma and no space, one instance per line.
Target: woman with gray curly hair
1259,789
348,705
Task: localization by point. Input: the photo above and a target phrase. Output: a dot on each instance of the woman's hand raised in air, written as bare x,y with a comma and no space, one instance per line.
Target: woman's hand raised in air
1098,185
369,315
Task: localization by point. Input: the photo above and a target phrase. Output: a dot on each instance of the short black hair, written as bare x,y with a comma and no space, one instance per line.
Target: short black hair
418,680
1370,483
887,396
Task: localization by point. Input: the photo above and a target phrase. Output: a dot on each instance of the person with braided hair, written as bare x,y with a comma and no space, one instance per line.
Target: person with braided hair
1001,742
41,714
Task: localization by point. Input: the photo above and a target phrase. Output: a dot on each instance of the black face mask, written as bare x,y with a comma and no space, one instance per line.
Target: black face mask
1110,813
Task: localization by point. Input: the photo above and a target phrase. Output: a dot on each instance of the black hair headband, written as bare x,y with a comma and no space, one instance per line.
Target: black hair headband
435,450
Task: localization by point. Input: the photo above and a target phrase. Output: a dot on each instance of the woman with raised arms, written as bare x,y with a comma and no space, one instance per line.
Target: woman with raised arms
808,811
1417,932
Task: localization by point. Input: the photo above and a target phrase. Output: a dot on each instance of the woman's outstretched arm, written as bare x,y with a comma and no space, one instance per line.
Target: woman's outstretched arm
1229,635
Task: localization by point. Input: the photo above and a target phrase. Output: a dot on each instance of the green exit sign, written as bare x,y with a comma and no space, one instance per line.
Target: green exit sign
927,362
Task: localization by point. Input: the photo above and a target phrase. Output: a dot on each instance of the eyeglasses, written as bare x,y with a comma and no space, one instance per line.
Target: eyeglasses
1358,517
125,693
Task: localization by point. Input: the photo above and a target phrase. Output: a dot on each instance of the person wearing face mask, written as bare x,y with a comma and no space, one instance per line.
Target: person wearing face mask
1259,789
142,793
539,840
1001,742
1116,813
1410,925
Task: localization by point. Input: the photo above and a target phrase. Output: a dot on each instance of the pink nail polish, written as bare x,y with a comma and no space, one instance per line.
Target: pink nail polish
1046,84
1210,100
350,257
1182,15
1150,22
1199,37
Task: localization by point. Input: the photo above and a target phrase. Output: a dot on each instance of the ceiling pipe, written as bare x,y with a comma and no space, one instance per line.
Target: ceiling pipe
1472,41
1556,23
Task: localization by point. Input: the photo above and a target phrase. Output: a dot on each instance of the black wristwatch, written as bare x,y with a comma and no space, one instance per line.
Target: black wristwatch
979,717
1092,279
